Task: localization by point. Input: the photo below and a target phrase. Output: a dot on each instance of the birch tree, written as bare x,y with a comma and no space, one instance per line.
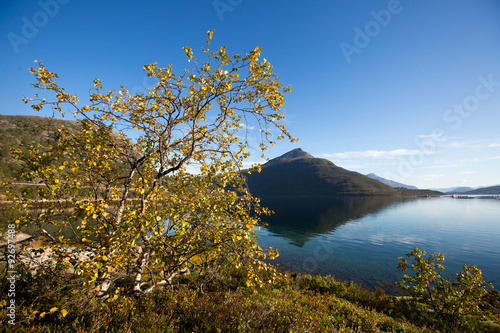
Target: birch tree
173,200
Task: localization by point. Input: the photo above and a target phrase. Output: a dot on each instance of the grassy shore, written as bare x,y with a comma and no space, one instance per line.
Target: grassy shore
299,303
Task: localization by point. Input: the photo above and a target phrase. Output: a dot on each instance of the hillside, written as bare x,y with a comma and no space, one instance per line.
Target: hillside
23,131
391,183
298,173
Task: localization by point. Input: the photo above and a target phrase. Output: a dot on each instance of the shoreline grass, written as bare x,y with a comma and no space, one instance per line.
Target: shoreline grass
299,303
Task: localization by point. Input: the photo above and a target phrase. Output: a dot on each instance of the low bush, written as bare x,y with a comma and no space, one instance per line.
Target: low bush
451,300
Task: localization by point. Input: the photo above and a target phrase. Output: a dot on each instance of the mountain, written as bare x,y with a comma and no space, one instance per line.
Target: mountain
485,190
389,182
460,189
21,132
291,155
298,173
455,189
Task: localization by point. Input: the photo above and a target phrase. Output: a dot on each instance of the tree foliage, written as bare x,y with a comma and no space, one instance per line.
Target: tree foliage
137,206
448,298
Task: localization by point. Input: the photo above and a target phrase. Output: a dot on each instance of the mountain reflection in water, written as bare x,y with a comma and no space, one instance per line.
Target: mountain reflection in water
301,219
361,238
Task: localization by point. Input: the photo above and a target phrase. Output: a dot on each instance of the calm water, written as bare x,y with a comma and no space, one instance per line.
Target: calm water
360,239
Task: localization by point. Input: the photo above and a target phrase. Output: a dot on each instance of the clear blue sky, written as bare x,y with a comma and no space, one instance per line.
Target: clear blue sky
409,90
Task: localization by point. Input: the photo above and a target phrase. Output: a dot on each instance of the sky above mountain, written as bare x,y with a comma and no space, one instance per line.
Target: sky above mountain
408,90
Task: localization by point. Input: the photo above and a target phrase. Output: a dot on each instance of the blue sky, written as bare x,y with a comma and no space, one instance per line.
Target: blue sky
409,90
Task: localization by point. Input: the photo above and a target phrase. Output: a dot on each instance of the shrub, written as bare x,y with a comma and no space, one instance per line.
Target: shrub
448,298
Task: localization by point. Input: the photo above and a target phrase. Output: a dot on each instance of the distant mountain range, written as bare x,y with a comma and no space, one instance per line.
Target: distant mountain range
470,190
454,189
483,190
298,173
391,183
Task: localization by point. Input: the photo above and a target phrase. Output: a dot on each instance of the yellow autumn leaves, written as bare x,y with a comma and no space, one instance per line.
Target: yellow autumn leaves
136,199
63,312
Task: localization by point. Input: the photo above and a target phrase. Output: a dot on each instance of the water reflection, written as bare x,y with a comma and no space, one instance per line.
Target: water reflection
359,239
301,219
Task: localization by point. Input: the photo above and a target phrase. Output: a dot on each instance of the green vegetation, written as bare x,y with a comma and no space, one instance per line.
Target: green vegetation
22,133
22,137
298,303
449,299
